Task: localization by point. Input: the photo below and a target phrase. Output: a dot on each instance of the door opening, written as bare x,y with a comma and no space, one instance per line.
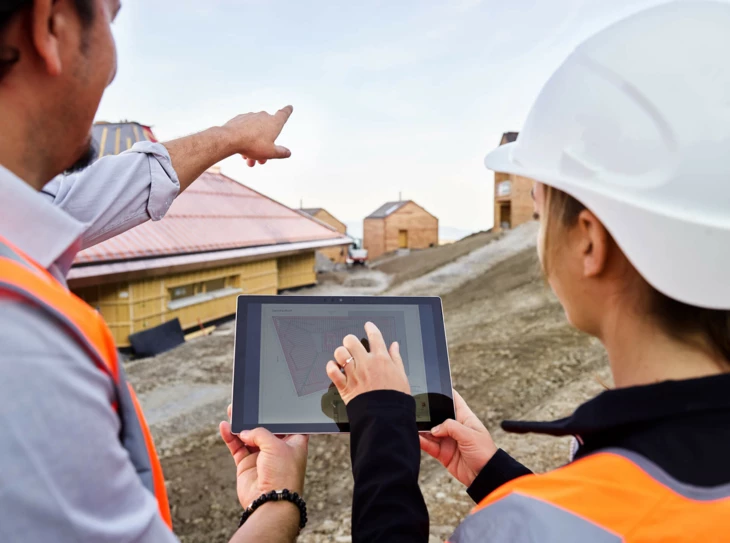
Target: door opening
403,239
505,216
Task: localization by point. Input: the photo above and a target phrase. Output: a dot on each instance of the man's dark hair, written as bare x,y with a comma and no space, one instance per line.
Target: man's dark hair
10,8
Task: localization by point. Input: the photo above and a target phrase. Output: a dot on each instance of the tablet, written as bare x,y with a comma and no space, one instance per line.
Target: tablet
283,344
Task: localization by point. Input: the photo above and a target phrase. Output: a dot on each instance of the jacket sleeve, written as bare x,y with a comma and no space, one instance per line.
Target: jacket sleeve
117,193
501,469
387,502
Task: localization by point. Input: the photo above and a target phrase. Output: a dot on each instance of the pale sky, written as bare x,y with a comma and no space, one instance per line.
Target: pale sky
388,95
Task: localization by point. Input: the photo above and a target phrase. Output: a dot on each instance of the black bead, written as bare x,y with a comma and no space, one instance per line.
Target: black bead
284,495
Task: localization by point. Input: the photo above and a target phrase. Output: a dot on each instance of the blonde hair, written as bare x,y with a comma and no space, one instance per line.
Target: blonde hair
709,328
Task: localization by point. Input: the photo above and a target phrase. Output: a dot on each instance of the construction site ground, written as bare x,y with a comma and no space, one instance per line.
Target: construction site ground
403,268
513,355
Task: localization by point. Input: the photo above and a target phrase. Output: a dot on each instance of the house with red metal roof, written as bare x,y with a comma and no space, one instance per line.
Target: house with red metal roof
338,255
218,240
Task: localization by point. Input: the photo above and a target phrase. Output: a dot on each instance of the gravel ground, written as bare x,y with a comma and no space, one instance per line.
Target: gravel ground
463,269
357,281
418,263
512,353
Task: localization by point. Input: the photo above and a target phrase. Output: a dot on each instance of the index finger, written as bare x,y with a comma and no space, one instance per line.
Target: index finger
283,114
377,343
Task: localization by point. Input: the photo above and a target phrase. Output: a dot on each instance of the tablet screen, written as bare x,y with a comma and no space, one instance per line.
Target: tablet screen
283,345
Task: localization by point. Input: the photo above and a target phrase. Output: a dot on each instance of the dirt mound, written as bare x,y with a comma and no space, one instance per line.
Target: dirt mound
456,273
417,263
513,355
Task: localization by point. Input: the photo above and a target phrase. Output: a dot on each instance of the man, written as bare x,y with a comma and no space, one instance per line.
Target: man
77,462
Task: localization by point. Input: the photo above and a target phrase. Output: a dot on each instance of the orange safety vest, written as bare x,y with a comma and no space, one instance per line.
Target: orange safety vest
22,278
610,496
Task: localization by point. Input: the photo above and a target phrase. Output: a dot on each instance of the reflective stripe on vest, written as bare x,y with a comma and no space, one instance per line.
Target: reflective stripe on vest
24,279
611,496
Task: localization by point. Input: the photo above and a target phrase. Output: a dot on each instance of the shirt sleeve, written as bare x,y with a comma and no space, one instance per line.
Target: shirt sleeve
386,456
117,192
64,475
500,469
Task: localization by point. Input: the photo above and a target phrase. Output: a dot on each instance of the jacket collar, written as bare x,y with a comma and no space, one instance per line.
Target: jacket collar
623,407
34,225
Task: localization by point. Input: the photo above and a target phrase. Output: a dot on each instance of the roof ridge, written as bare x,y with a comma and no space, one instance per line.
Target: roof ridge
387,208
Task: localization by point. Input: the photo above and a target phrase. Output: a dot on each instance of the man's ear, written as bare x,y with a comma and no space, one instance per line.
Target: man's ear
48,20
593,244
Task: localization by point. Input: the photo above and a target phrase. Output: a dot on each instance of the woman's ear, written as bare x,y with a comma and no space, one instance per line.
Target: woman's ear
593,243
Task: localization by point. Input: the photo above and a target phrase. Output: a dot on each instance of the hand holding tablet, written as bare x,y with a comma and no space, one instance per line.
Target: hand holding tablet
283,346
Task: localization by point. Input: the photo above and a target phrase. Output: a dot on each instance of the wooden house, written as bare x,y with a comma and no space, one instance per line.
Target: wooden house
399,225
513,203
335,254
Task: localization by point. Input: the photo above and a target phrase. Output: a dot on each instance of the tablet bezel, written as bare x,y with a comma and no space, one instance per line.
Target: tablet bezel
441,401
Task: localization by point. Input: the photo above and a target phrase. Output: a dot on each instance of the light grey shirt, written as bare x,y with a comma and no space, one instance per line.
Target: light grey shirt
64,475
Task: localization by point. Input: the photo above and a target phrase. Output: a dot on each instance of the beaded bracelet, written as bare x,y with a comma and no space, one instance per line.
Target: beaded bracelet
274,496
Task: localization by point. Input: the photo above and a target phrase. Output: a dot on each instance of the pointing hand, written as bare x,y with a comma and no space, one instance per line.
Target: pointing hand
254,135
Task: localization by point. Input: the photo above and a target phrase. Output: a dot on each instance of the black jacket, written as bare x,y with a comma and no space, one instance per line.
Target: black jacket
683,426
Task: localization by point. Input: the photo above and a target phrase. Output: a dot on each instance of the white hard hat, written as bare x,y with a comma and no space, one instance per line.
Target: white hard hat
636,125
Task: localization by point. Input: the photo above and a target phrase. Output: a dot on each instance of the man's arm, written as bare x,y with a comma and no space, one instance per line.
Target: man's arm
252,135
117,193
273,522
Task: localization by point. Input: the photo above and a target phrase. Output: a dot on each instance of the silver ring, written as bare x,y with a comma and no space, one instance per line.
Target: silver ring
351,359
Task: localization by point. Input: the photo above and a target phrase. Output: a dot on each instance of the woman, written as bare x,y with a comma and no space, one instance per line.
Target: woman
629,144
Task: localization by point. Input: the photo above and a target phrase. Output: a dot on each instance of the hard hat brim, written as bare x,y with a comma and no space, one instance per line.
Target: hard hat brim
669,251
500,160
